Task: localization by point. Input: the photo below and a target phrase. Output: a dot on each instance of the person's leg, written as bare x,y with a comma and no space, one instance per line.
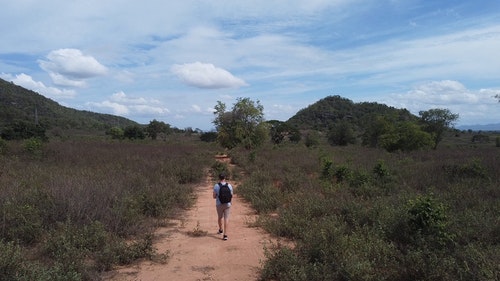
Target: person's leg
220,216
227,211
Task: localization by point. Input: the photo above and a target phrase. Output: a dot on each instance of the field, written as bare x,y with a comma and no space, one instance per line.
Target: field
72,209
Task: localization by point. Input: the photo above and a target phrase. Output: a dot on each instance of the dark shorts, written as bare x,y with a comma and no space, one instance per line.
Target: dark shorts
223,211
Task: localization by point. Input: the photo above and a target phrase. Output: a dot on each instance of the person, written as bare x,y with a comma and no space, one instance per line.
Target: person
223,210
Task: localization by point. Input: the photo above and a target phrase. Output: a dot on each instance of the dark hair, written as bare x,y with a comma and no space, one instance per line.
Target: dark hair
222,176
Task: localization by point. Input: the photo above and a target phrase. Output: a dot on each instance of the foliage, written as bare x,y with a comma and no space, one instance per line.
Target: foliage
155,128
436,121
23,130
116,133
281,131
358,213
427,218
134,132
312,139
406,136
19,105
327,112
243,125
208,137
85,206
3,146
341,134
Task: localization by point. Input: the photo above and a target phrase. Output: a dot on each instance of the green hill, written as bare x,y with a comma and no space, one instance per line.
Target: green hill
18,104
326,112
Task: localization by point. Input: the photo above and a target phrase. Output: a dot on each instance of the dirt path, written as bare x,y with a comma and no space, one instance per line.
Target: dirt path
206,257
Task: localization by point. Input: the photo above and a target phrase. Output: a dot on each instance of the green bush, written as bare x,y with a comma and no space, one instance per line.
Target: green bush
21,222
3,147
473,169
11,260
33,146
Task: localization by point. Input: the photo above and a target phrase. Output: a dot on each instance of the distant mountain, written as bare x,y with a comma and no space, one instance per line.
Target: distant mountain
18,104
487,127
326,112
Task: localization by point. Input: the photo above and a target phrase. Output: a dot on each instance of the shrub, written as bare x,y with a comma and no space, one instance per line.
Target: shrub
473,169
21,222
11,260
427,220
33,146
3,147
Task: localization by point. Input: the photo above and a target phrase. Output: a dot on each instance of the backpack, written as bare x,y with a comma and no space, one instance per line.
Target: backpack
225,195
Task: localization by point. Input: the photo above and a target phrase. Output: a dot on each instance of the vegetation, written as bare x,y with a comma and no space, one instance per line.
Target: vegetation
244,125
22,106
358,213
437,121
353,188
71,209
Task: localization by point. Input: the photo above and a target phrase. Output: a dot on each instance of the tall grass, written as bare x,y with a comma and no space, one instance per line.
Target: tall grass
81,206
364,214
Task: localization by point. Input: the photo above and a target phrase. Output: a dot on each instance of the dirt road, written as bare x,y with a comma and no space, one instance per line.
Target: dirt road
206,257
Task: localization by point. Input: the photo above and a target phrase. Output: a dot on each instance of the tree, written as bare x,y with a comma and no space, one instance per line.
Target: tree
436,122
157,127
406,136
134,132
243,125
341,134
115,133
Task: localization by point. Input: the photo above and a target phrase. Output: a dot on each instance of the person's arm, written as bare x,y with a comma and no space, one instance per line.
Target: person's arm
214,194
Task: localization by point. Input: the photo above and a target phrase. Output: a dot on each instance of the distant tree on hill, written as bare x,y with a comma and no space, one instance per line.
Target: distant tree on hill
243,125
23,130
115,133
134,132
342,134
154,128
406,136
280,131
436,122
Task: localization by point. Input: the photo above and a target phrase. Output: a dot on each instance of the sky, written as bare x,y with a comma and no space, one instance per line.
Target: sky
172,61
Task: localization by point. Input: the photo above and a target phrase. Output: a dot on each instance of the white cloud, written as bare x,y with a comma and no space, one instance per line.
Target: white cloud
70,67
116,108
27,82
206,76
121,104
473,106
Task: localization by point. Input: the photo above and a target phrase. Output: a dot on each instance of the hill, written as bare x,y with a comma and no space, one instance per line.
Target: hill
18,104
323,114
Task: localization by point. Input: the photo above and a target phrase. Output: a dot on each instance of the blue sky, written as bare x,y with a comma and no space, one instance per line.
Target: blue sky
173,60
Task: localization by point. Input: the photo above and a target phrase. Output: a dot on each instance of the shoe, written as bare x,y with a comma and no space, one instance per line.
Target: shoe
225,237
220,231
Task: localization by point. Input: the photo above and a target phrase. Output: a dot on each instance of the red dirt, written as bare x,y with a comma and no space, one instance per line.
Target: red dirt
206,257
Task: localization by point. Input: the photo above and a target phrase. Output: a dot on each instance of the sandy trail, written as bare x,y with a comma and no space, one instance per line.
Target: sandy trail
206,257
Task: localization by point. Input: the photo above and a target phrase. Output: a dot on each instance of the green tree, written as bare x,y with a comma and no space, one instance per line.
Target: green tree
134,132
23,130
243,125
154,128
377,126
341,134
436,121
115,133
407,136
